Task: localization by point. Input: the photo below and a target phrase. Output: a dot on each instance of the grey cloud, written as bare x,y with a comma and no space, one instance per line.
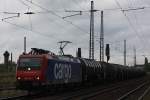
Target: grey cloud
48,29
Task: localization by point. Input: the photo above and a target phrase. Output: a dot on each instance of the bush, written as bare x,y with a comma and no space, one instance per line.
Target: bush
10,68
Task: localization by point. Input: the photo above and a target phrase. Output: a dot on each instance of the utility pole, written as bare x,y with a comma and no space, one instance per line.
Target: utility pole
91,44
124,52
134,56
102,39
11,59
11,62
91,41
24,44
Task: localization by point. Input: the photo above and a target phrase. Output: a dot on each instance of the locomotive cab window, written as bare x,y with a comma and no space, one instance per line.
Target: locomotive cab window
29,63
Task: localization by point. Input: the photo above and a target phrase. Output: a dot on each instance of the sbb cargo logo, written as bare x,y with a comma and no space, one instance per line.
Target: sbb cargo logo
62,72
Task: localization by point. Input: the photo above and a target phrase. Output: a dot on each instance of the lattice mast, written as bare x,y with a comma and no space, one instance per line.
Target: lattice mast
91,44
102,39
125,53
134,56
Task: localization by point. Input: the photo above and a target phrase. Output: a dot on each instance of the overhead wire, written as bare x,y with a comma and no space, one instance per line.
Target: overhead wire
131,5
135,15
28,7
22,2
130,23
30,21
77,3
53,13
35,32
133,28
48,11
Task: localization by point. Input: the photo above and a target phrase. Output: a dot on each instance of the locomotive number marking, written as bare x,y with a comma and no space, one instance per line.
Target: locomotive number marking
62,72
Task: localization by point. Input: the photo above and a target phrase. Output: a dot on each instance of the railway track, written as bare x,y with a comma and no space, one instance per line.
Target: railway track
135,94
90,93
11,93
142,97
100,93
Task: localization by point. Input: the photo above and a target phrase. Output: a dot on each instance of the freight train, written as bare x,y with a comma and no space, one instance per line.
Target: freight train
41,68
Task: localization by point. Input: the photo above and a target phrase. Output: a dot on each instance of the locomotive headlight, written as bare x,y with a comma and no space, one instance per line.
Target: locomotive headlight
37,77
29,69
18,78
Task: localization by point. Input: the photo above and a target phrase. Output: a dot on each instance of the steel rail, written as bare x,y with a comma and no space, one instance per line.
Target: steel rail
145,93
87,95
132,91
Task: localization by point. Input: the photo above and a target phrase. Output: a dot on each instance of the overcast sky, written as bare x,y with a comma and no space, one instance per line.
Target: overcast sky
46,27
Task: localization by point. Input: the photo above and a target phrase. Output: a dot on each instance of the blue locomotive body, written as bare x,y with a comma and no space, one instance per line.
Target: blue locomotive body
62,71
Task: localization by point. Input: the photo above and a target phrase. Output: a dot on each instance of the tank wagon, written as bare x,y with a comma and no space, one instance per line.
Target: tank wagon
41,68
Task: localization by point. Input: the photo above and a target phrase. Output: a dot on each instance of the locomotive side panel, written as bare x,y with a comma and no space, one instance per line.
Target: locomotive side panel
60,72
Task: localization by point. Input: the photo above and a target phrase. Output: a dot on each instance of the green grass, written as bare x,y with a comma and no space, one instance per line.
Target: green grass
7,79
7,76
11,93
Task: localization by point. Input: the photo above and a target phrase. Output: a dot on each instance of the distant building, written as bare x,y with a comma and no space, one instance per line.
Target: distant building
6,58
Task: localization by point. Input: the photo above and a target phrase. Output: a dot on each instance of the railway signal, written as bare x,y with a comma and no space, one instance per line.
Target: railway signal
6,59
107,52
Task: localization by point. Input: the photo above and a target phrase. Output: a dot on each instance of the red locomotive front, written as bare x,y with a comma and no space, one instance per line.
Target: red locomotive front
31,69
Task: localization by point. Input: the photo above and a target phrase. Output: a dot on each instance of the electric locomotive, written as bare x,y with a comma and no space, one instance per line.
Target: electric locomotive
42,68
